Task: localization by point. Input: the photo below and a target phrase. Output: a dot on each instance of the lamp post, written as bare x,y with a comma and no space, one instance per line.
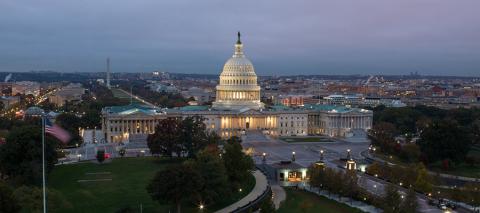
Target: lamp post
348,154
79,156
321,155
264,157
293,156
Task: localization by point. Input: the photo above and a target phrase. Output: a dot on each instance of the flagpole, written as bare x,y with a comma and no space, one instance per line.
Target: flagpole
43,166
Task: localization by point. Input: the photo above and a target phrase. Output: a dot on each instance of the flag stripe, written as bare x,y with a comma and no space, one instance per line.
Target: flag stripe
57,132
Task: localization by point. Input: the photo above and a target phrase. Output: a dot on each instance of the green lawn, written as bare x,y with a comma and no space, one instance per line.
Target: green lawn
460,170
122,95
306,202
305,139
129,177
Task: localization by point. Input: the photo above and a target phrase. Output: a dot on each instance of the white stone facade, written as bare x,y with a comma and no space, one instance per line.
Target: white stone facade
237,110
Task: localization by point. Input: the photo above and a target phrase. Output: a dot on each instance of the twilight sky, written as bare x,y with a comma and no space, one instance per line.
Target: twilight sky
434,37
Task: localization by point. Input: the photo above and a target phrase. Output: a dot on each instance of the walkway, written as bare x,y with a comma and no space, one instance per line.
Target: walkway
279,195
261,184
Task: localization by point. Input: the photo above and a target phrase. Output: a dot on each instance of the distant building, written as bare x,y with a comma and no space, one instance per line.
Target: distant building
291,100
33,112
26,88
161,87
9,101
69,93
201,96
238,110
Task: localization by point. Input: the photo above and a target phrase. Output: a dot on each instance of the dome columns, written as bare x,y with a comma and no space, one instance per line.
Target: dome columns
238,86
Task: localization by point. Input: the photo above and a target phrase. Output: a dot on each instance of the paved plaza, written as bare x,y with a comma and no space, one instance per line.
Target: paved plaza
309,152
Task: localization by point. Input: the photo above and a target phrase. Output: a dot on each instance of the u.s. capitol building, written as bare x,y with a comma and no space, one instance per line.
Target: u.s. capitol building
238,110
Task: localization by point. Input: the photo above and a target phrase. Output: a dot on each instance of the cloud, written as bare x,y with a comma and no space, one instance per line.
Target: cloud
310,37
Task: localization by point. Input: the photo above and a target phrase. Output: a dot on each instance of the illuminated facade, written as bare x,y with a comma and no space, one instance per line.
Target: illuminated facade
238,110
238,88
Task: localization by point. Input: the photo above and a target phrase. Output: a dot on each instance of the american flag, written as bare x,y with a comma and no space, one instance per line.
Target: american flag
57,131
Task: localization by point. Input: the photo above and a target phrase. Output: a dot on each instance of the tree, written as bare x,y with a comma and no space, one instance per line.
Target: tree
444,140
100,156
8,203
350,184
382,135
317,176
30,198
21,155
423,181
122,152
194,135
175,185
410,152
71,123
391,200
210,166
234,139
238,164
410,203
167,138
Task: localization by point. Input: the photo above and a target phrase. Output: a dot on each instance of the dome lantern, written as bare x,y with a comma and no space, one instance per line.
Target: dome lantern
238,88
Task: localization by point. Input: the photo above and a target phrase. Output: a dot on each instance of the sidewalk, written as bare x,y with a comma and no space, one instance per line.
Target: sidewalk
261,184
279,195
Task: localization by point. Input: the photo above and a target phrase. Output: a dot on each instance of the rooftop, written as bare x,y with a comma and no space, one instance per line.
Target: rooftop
132,108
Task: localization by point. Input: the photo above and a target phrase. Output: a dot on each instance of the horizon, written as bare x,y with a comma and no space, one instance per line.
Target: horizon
312,38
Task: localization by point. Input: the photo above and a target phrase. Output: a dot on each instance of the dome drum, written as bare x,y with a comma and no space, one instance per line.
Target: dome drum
238,88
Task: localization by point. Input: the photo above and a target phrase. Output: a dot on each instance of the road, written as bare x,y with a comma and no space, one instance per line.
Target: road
308,153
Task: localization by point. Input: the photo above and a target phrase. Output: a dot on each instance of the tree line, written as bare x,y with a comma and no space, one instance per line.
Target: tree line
21,169
428,134
347,184
209,174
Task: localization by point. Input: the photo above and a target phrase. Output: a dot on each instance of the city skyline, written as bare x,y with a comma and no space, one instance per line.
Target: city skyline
320,38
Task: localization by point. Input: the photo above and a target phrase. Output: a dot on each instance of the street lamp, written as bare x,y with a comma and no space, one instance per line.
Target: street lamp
293,156
79,156
264,159
321,154
201,207
348,154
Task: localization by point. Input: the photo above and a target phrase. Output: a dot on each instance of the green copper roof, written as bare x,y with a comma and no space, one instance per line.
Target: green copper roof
193,108
315,107
133,108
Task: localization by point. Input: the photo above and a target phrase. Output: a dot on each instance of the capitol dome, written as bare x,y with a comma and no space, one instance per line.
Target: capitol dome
238,88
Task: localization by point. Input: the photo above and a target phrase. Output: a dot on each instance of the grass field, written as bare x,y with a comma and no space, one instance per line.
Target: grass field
307,202
119,184
122,95
462,169
305,139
